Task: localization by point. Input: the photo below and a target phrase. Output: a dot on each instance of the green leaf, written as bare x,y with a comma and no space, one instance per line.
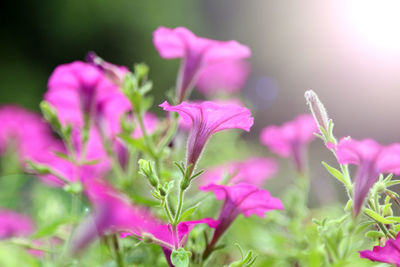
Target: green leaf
137,144
180,257
374,235
364,225
392,183
335,173
61,155
189,212
375,216
51,228
393,219
146,87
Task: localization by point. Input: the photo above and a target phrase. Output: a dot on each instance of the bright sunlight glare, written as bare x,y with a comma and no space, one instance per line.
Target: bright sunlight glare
378,21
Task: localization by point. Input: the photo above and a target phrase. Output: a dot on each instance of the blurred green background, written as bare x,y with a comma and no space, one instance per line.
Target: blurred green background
38,36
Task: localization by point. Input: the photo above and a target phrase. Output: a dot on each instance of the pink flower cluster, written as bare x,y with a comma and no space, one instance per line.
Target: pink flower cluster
88,100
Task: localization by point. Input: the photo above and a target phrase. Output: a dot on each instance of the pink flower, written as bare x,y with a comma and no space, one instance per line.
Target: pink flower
372,159
390,253
291,139
196,53
227,76
253,171
242,198
94,162
14,224
207,118
76,90
113,212
25,130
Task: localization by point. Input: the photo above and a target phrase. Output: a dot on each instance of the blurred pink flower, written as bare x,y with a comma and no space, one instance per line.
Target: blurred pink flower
113,213
372,159
227,76
253,171
78,90
291,138
242,198
196,52
390,253
207,118
93,162
25,130
13,224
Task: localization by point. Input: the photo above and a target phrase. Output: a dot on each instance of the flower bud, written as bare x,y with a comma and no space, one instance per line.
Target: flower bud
318,110
114,73
50,114
147,171
147,238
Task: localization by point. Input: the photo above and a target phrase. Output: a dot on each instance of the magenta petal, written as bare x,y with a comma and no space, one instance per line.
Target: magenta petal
78,89
170,43
350,151
212,116
388,160
196,53
184,228
283,139
227,76
25,130
246,198
253,171
13,224
372,159
390,253
207,118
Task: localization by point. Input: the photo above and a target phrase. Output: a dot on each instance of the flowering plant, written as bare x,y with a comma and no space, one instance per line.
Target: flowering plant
111,184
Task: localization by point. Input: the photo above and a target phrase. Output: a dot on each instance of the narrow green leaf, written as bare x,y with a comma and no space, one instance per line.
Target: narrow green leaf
374,235
137,144
189,212
392,183
335,173
375,216
393,219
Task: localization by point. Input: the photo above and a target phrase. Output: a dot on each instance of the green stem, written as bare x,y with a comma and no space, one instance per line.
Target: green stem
170,133
147,139
75,206
179,207
118,256
168,211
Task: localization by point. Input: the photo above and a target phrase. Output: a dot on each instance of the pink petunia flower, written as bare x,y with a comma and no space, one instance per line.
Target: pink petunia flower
227,76
242,198
207,118
113,213
196,53
13,224
291,139
93,160
372,159
25,130
390,253
253,171
77,90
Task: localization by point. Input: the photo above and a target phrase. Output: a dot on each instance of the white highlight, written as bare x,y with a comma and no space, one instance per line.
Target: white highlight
378,21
